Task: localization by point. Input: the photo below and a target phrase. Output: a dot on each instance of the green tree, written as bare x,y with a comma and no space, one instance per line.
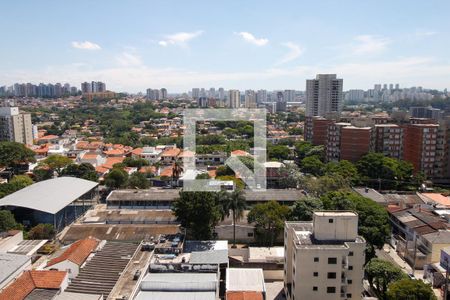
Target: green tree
304,208
343,168
56,162
116,178
269,221
18,182
84,171
203,176
138,181
198,212
7,221
236,203
318,186
13,155
41,232
21,181
406,289
312,165
135,162
41,174
375,168
278,152
382,272
373,218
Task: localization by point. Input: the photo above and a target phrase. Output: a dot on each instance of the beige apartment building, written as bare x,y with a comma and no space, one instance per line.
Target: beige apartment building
15,126
324,258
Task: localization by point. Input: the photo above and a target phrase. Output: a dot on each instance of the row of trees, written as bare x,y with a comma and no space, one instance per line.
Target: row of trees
373,169
200,212
38,232
391,283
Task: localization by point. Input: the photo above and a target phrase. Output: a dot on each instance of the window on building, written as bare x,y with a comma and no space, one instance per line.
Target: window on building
316,259
331,289
349,281
349,295
315,288
350,253
332,260
350,268
315,274
331,275
250,234
330,220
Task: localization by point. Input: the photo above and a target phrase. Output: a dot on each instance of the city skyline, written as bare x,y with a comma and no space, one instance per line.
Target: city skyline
267,46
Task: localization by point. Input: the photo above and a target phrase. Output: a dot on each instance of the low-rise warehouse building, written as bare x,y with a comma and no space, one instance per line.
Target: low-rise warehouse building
57,201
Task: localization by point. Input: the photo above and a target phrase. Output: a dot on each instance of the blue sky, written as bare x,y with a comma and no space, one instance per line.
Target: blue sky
133,45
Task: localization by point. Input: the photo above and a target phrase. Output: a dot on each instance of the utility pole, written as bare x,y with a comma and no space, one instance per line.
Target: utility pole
446,279
415,253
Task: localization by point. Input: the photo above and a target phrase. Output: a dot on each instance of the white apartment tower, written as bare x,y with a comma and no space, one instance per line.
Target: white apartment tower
234,98
324,258
15,127
323,95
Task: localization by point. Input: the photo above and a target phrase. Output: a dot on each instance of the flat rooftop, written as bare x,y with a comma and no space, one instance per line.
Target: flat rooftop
335,214
117,232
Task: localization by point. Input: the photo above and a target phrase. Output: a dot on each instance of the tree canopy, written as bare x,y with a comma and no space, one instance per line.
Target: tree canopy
382,272
373,218
56,163
84,171
269,221
406,289
14,154
7,221
116,178
198,212
304,208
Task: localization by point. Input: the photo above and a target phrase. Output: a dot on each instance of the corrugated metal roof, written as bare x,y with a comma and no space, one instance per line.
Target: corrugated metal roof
145,295
245,280
209,257
49,195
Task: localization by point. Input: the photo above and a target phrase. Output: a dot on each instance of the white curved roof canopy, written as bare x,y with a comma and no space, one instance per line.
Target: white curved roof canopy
51,195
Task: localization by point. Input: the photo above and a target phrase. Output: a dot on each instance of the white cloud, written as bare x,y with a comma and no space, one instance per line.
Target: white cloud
127,59
294,52
86,45
250,38
408,71
180,38
369,44
425,33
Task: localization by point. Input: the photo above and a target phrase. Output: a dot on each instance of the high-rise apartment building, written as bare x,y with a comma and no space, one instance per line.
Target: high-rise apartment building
195,93
250,99
289,95
86,88
212,93
234,99
419,144
15,126
426,112
388,139
323,95
261,96
163,93
324,259
221,94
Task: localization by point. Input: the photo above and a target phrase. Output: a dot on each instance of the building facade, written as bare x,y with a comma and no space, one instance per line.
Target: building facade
323,95
15,126
324,259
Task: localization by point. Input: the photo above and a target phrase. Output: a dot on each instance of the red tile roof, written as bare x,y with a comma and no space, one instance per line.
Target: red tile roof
111,161
244,296
171,152
240,153
31,280
77,252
